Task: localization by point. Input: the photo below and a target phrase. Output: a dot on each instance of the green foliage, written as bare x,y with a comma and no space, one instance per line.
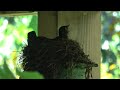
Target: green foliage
110,39
34,24
29,75
13,36
6,73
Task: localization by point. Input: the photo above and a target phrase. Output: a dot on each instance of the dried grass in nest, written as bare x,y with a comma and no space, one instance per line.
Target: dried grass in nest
51,57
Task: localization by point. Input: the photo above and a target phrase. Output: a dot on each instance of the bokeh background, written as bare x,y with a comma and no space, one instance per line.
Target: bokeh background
110,45
13,37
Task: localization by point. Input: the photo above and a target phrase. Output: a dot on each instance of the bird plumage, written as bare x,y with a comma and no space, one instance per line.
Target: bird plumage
63,33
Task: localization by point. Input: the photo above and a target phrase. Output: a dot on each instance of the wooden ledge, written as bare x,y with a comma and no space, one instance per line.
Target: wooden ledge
16,13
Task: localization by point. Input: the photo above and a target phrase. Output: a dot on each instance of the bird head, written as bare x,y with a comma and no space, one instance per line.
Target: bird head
31,37
63,31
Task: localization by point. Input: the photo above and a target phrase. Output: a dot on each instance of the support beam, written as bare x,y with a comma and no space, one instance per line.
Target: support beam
47,23
85,27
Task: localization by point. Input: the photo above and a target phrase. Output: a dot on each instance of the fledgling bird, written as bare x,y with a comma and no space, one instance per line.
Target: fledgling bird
31,38
34,41
63,32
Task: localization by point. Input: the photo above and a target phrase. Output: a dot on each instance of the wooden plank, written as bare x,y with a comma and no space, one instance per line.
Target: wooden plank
85,27
47,23
16,13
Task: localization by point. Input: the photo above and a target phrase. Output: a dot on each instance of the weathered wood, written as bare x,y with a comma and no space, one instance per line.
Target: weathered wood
47,23
85,27
16,13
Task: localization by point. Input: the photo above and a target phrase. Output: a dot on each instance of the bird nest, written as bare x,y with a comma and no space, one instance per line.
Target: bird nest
51,57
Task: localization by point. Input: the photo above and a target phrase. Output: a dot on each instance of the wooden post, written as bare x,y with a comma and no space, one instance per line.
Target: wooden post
85,27
47,23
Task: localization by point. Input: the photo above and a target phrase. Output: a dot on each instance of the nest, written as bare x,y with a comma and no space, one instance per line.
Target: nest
51,57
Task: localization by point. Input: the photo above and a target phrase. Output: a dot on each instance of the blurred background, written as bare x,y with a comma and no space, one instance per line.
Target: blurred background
110,45
13,37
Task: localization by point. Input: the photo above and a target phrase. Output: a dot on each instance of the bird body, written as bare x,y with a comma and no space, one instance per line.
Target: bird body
63,32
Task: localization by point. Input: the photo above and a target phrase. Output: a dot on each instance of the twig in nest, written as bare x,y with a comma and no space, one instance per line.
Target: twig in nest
88,72
43,54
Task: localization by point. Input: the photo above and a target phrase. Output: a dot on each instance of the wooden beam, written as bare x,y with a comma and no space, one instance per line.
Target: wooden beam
16,13
47,23
85,27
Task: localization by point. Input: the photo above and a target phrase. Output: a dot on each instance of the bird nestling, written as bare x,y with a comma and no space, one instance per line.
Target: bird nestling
63,32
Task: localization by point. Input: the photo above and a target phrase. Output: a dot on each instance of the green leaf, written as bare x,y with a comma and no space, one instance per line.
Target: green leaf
5,72
34,24
30,75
